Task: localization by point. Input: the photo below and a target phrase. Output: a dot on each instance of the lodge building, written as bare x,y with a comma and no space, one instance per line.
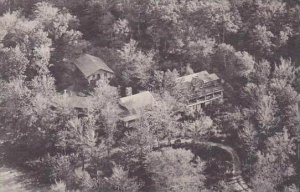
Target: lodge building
203,89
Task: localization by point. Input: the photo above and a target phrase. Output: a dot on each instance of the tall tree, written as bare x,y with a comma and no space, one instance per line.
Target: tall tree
286,96
61,28
172,170
136,67
24,41
234,67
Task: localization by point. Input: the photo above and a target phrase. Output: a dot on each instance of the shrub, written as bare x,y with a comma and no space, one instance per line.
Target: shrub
59,186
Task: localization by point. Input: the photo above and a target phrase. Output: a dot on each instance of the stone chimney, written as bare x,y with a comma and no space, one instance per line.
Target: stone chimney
188,70
128,91
65,94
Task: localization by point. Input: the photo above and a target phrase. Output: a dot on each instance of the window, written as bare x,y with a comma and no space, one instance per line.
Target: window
217,94
198,107
216,83
210,96
209,84
193,101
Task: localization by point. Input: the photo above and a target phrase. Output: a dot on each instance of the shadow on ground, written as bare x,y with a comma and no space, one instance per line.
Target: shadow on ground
15,180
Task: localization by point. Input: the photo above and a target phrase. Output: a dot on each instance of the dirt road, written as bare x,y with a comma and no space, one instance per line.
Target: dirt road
14,181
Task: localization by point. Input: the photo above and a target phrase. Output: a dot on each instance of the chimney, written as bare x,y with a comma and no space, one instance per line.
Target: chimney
128,91
65,94
119,89
188,70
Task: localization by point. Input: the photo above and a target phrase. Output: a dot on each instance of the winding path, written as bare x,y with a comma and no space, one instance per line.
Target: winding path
236,181
10,180
13,180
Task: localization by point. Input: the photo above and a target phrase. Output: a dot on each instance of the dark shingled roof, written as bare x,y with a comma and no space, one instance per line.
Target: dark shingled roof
203,75
89,64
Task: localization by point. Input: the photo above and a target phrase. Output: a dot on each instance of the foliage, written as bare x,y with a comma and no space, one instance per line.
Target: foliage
253,46
58,187
135,67
172,170
121,182
23,43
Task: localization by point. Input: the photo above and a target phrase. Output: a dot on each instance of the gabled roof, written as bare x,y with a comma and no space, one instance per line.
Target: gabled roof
129,118
78,101
137,101
89,64
134,104
73,100
203,75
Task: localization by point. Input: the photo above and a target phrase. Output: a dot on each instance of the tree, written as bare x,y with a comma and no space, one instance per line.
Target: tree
235,63
297,80
106,108
245,42
24,41
29,117
286,96
274,121
200,52
263,107
234,67
139,142
120,181
199,129
173,170
274,167
136,67
97,21
79,136
266,114
167,14
13,63
261,73
268,27
162,118
61,28
262,41
216,18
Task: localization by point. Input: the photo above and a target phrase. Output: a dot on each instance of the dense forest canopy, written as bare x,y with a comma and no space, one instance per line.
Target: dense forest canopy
252,45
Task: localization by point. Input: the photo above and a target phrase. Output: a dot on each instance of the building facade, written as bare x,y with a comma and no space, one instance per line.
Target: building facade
203,89
93,68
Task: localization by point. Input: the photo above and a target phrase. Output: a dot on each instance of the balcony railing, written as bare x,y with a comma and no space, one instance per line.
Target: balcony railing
204,92
206,100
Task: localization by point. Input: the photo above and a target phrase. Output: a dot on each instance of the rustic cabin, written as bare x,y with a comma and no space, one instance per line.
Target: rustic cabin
132,106
93,68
